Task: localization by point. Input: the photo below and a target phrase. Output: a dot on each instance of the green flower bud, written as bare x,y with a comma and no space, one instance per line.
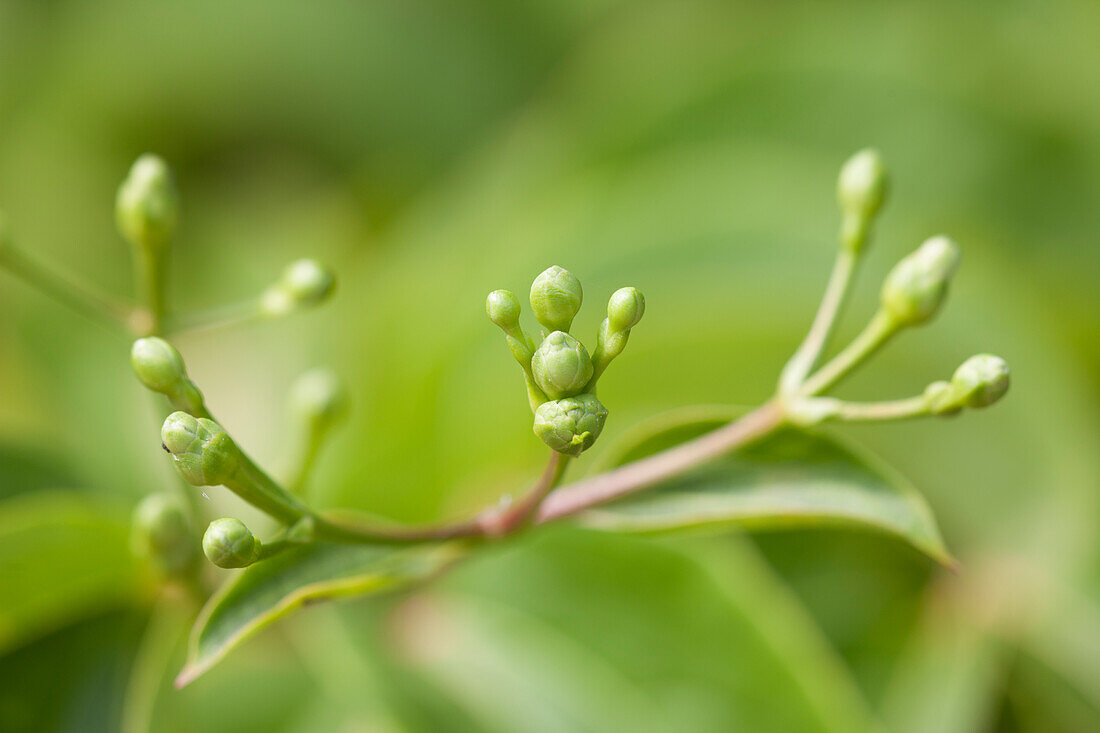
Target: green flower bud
561,365
317,397
981,380
229,544
915,288
147,204
570,425
160,368
304,282
503,309
203,452
861,187
556,298
161,532
625,309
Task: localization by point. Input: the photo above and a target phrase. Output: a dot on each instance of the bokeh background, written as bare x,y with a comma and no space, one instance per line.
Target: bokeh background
432,150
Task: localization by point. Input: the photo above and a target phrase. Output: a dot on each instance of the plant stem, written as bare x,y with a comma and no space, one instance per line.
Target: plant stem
231,314
81,299
646,472
892,410
149,275
523,512
832,302
877,333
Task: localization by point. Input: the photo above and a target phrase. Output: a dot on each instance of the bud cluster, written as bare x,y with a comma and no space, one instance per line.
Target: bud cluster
561,374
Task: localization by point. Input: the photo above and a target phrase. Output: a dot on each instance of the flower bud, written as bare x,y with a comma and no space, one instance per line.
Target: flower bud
915,288
303,282
861,187
570,425
161,533
147,203
160,368
203,452
625,309
981,380
561,366
229,544
556,298
317,398
503,309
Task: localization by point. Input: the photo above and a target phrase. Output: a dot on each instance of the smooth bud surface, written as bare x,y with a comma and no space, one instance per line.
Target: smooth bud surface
317,397
556,297
625,308
303,282
503,309
158,365
147,203
228,543
570,425
981,380
861,186
203,452
917,286
561,366
161,532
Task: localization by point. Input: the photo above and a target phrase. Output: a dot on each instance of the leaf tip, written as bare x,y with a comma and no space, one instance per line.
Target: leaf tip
187,675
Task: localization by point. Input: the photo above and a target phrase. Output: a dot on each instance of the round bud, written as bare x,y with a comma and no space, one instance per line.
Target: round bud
981,380
317,397
556,298
158,365
561,366
503,309
303,282
625,309
161,532
203,452
915,288
861,187
229,544
147,203
570,425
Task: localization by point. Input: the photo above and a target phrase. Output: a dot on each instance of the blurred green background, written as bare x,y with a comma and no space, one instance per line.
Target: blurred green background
432,150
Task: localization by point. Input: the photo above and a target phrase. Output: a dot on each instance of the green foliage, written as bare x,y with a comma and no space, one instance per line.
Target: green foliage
790,479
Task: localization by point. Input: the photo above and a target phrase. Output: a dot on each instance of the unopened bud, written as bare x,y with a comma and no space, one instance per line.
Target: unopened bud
570,425
625,309
203,452
503,309
147,204
303,283
161,532
228,543
317,398
561,366
861,189
556,297
917,286
981,380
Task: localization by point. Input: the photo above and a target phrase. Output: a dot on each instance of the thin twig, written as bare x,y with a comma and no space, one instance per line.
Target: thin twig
646,472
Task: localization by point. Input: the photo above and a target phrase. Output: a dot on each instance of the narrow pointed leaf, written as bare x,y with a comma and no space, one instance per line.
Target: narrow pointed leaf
274,588
789,479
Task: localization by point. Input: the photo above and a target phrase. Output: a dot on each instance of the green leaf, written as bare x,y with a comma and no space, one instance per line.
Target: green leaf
792,478
63,556
274,588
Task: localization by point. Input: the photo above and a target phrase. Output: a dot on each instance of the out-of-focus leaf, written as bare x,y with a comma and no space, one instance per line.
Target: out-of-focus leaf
62,556
589,631
72,679
269,590
789,479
